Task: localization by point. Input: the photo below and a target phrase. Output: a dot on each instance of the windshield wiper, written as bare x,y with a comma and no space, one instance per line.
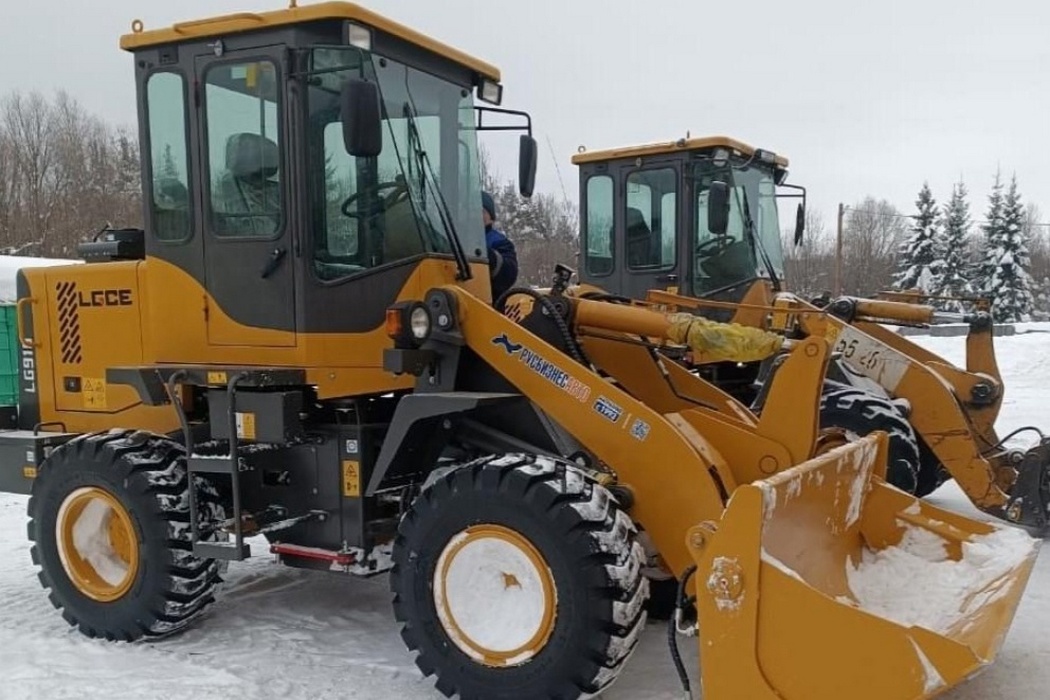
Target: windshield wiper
749,224
429,179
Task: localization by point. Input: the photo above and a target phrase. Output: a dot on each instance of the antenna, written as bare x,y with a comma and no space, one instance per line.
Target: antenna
564,194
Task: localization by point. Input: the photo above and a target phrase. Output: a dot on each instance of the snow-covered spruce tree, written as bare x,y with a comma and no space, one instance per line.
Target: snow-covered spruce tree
983,260
1007,260
919,262
955,274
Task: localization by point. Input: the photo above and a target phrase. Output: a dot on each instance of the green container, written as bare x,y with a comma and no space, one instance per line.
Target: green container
9,355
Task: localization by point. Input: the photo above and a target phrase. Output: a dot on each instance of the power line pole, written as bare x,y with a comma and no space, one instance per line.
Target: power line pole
838,251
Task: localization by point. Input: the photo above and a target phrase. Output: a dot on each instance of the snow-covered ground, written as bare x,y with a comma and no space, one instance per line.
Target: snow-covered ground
282,633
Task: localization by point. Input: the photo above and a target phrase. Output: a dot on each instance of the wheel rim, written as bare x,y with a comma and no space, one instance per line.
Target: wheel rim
495,595
97,543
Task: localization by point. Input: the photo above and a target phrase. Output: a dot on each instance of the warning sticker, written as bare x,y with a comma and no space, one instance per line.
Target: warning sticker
351,478
246,425
94,393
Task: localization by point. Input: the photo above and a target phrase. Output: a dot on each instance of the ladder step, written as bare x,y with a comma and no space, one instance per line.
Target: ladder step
294,550
211,465
225,551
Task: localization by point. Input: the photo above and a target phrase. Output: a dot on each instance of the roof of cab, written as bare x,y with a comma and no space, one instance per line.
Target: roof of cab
686,144
248,21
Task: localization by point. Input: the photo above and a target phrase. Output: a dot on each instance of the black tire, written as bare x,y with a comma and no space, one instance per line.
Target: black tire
589,547
146,474
861,413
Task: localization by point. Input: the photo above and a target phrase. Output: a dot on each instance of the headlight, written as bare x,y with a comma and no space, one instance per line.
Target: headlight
419,323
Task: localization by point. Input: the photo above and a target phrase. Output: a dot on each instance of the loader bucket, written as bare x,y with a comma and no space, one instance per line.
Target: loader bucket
823,582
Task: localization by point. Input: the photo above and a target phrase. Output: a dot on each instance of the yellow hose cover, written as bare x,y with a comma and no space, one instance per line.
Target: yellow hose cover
711,341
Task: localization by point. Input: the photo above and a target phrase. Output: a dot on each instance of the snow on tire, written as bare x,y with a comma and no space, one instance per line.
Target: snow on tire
862,413
110,526
517,576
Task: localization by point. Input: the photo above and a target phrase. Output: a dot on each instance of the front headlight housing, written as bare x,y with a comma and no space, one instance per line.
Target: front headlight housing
408,324
419,322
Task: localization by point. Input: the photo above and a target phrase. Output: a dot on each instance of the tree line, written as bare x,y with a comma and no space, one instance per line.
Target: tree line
940,249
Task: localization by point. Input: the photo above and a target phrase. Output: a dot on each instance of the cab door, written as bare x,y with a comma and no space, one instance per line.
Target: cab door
647,227
247,222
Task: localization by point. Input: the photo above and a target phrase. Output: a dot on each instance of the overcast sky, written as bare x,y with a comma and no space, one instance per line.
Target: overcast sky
864,98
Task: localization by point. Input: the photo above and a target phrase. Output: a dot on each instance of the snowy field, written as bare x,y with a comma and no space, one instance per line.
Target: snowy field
282,633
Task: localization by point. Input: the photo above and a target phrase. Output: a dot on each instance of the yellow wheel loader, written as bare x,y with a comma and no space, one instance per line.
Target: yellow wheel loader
693,225
301,345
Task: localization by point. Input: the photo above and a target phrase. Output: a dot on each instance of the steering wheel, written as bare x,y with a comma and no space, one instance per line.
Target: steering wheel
702,251
399,195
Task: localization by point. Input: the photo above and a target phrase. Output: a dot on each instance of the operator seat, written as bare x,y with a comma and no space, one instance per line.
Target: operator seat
639,240
246,200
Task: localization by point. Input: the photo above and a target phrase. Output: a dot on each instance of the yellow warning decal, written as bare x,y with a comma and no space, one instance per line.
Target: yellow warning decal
351,478
29,472
246,425
217,378
94,393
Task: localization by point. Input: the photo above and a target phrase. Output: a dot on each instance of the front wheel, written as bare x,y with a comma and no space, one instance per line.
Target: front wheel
109,521
519,577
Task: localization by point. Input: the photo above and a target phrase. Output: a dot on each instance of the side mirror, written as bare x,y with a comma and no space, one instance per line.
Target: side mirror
527,165
800,223
362,121
718,208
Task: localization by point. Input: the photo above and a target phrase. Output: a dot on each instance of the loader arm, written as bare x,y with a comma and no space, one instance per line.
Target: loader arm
953,410
676,480
672,463
956,428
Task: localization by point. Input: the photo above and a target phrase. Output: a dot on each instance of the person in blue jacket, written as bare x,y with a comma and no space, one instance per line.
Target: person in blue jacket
503,258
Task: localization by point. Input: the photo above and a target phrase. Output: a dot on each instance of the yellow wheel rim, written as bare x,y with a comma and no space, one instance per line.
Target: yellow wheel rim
97,543
495,595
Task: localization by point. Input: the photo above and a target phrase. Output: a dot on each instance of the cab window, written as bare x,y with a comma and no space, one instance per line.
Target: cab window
599,233
244,161
649,219
169,205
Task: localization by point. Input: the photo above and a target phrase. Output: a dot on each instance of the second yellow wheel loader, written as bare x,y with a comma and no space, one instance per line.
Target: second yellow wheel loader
301,344
693,225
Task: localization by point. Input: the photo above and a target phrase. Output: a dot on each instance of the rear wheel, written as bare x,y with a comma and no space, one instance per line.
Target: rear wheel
861,413
109,519
518,577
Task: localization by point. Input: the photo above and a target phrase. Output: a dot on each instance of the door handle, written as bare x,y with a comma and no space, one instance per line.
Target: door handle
275,260
670,277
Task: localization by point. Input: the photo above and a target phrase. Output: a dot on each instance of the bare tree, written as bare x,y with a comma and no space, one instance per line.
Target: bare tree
872,233
808,267
64,174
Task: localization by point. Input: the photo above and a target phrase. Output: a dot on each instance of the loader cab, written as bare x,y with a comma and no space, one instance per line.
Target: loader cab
695,217
266,225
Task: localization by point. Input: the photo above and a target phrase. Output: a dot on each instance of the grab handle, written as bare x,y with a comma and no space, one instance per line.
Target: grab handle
20,323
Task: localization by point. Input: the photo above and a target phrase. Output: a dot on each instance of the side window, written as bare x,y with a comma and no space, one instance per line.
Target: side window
244,163
169,157
650,218
340,179
599,260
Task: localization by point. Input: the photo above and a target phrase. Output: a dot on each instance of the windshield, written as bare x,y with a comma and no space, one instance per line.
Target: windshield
725,261
375,211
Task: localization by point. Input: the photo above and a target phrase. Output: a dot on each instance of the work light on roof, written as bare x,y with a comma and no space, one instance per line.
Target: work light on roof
490,91
359,36
766,156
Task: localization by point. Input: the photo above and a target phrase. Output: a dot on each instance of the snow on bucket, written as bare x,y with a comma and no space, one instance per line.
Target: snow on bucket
847,587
